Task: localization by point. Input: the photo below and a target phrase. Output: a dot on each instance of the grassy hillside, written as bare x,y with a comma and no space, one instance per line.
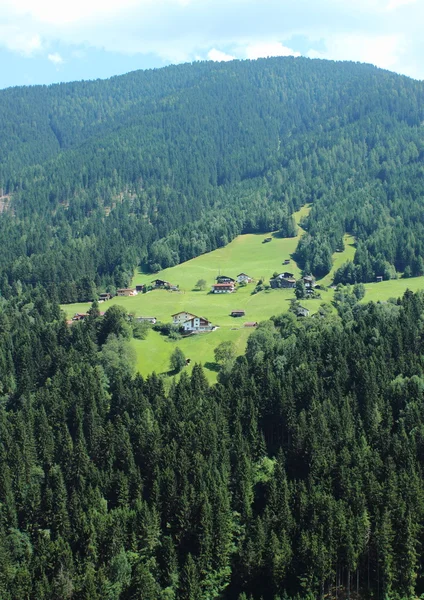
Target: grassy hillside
246,254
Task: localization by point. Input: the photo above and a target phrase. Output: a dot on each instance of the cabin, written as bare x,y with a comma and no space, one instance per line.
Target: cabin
140,288
309,281
223,288
243,277
198,325
181,317
152,320
286,261
126,292
225,279
267,239
379,278
238,313
104,297
283,282
251,324
161,284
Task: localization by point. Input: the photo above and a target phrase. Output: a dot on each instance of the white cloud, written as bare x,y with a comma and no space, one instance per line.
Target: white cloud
394,4
55,58
22,42
219,56
265,49
384,51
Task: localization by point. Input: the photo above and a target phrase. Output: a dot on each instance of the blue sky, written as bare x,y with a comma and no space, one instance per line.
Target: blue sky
48,41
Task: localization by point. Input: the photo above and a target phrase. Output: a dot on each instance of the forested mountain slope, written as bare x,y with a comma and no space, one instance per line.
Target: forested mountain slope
300,474
160,166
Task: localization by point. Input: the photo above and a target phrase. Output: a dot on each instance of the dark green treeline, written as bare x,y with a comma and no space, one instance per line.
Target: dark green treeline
156,167
298,474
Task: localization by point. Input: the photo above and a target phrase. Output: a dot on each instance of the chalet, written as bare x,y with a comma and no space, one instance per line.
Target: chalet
223,288
79,316
140,288
126,292
238,313
104,297
181,317
379,278
251,324
267,239
161,284
197,325
243,277
286,274
282,282
224,279
309,281
301,311
151,320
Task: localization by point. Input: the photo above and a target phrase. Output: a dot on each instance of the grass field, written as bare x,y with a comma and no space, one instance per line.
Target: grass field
245,254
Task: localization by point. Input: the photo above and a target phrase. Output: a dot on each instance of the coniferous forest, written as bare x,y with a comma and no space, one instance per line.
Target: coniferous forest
156,167
298,475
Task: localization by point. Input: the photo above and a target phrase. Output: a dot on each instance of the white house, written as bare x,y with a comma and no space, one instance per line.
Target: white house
243,277
181,317
198,324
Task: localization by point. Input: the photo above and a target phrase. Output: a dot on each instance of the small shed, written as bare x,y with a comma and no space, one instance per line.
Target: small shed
379,278
251,324
238,313
267,239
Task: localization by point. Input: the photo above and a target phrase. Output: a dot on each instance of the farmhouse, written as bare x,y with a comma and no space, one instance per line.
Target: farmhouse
301,311
243,277
79,316
238,313
140,288
161,284
283,282
224,279
309,281
286,274
105,296
197,324
223,288
126,292
152,320
181,317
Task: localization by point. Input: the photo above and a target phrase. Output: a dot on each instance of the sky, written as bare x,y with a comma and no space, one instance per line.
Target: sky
49,41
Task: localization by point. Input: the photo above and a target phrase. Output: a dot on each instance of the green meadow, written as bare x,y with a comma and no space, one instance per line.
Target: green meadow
247,254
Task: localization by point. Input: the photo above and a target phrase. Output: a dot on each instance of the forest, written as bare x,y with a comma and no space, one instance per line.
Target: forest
156,167
298,475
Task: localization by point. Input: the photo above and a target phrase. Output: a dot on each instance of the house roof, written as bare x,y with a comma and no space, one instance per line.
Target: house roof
239,275
182,312
233,311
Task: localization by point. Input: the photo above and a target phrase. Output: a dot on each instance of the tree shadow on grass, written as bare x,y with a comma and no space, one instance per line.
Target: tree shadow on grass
212,366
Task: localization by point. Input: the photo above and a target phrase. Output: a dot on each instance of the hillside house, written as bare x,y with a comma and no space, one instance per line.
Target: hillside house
301,311
309,281
161,284
287,275
223,288
286,261
79,316
140,288
126,292
283,282
151,320
238,313
224,279
198,325
104,297
243,277
251,324
267,239
181,317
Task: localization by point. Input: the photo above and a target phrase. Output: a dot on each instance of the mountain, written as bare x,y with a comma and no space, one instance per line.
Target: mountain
156,167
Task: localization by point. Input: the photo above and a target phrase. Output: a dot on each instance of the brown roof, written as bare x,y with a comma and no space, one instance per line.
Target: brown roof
223,284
